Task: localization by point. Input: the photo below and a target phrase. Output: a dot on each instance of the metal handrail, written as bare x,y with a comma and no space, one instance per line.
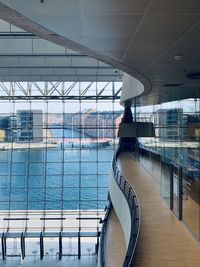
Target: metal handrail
133,203
103,233
132,200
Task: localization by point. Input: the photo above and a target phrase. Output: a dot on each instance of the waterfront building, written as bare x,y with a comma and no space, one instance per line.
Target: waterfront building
87,123
171,125
2,135
30,125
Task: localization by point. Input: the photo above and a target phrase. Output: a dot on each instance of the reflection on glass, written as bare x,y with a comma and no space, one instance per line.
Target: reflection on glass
191,203
177,141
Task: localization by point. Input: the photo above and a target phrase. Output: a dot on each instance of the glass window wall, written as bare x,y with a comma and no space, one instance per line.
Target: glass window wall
55,158
177,143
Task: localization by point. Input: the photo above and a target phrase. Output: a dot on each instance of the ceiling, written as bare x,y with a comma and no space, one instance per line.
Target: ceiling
140,37
26,57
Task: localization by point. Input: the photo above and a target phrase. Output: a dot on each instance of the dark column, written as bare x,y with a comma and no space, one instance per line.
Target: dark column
97,245
127,116
41,246
79,246
22,246
3,247
60,246
128,143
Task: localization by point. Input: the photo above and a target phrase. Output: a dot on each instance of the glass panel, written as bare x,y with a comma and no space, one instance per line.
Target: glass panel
177,139
55,158
175,193
13,251
191,202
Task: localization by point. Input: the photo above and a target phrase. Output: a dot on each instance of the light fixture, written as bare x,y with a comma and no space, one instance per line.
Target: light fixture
178,57
136,129
172,84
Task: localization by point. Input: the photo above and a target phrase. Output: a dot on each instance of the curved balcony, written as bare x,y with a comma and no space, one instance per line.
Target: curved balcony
163,240
126,206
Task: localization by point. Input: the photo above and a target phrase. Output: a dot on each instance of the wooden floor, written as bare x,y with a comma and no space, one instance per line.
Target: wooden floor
115,242
163,240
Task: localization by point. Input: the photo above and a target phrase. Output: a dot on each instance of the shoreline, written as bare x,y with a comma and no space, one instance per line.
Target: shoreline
36,220
18,146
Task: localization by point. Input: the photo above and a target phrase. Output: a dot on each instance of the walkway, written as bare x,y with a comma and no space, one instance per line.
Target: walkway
163,239
115,242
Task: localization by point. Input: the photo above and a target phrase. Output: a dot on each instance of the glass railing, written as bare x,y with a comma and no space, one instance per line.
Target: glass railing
133,203
103,236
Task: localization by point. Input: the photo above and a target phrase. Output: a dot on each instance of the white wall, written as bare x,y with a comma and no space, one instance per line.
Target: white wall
121,208
131,87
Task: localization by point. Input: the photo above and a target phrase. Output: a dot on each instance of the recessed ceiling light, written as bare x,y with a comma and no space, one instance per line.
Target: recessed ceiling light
178,57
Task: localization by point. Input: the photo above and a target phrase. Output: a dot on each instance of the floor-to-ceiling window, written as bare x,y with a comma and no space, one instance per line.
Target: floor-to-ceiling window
175,153
55,158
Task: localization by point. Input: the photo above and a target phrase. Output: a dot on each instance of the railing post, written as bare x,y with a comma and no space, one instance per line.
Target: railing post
125,185
180,192
129,192
171,186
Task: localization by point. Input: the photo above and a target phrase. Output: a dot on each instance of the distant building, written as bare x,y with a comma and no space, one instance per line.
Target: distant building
4,122
94,124
30,125
2,135
8,128
53,119
193,128
171,124
102,124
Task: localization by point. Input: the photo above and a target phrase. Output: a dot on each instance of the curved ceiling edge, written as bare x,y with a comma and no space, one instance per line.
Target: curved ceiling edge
10,15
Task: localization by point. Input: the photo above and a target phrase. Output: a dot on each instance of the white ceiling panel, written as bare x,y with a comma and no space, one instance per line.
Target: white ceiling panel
57,61
4,26
4,71
107,43
20,71
87,71
84,62
195,31
43,46
140,37
111,26
17,47
69,25
159,44
30,61
114,7
42,71
175,6
9,61
48,8
64,71
167,25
